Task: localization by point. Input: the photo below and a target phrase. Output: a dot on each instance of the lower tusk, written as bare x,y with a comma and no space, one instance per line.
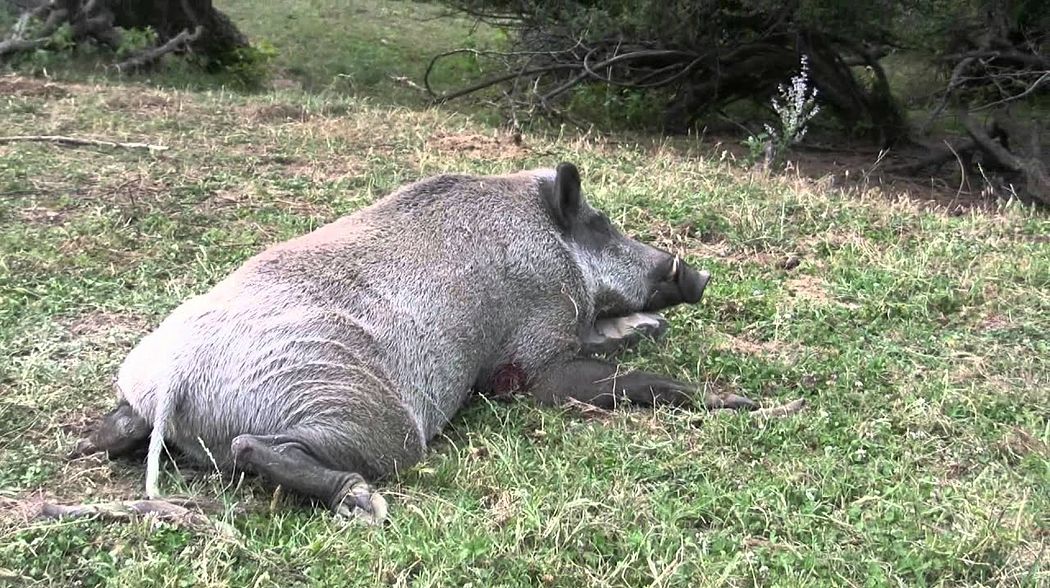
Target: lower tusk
674,267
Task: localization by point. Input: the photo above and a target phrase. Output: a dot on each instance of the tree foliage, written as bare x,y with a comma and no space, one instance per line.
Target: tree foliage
697,57
700,55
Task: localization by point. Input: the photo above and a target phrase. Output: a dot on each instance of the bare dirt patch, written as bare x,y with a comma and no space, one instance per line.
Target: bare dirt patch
866,170
232,199
994,322
682,238
477,145
43,215
11,85
773,349
102,322
814,290
785,352
967,367
329,170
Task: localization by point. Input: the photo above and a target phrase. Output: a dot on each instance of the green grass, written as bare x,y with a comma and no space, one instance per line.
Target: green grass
377,49
356,47
917,337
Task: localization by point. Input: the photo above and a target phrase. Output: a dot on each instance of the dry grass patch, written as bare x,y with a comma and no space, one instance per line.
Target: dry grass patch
326,170
277,113
14,85
143,103
1017,443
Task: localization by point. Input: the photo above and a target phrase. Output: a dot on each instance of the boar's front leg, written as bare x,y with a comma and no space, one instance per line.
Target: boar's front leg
289,461
604,385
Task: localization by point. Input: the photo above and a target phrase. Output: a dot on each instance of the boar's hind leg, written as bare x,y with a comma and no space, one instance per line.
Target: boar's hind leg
602,384
121,432
288,461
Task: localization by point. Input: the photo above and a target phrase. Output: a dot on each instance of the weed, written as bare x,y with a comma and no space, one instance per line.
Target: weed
795,108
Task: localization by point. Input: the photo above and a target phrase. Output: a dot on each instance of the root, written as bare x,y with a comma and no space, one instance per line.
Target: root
936,158
1023,159
179,42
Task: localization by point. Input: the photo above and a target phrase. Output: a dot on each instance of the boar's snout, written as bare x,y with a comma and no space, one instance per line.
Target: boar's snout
691,283
677,283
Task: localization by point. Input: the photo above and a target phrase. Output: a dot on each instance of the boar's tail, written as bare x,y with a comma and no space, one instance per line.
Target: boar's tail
161,413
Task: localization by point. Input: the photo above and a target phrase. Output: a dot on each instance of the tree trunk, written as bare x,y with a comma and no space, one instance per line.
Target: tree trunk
171,17
179,24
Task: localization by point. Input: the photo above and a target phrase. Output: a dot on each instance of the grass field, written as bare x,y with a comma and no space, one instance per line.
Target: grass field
917,336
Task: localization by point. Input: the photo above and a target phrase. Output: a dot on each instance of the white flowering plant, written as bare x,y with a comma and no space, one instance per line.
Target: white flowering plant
796,106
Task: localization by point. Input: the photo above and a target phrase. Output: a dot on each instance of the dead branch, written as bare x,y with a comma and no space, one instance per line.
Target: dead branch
589,70
682,63
75,141
1028,59
991,146
493,81
12,46
962,169
1032,88
180,41
953,83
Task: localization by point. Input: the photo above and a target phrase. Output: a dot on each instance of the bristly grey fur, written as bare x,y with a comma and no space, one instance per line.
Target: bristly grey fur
368,334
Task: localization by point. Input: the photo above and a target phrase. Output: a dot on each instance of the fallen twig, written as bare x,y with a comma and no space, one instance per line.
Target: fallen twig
404,80
75,141
778,411
173,510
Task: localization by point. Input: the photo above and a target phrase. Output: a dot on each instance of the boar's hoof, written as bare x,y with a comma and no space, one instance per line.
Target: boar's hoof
85,447
610,335
364,503
632,327
728,401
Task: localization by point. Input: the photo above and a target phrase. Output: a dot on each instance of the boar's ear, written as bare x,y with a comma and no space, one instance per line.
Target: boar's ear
565,200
